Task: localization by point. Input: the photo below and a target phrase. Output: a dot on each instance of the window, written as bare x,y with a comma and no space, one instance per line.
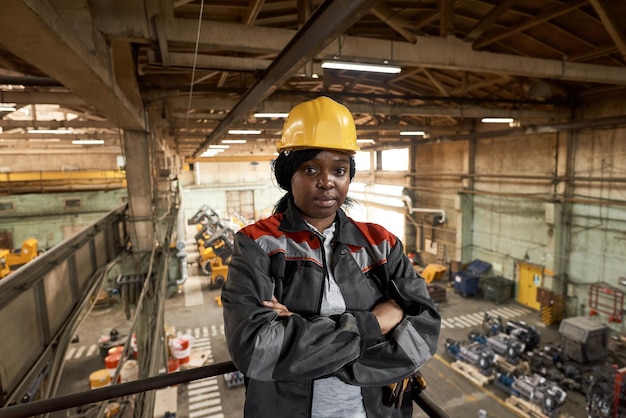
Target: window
391,219
7,206
72,203
362,160
395,159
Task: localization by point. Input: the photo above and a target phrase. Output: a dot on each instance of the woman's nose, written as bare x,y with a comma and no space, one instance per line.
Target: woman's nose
325,182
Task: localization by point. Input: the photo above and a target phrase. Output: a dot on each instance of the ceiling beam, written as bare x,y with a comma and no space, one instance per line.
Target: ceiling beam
329,21
457,109
387,15
57,50
613,26
486,23
547,14
55,124
428,52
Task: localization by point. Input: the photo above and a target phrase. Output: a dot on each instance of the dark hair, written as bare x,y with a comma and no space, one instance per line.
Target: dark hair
286,164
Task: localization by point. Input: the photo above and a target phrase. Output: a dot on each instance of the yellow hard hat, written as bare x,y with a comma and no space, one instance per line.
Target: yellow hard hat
319,123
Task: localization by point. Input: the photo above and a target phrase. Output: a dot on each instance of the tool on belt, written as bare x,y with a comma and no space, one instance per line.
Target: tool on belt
414,386
394,393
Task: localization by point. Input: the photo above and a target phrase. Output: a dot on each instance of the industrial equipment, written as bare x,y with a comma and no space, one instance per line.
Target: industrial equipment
214,238
508,347
433,272
14,259
199,215
475,353
550,362
523,332
583,340
492,325
212,265
4,265
220,240
606,397
540,391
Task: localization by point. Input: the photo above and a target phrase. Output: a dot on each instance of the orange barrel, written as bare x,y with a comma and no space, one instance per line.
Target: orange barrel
110,362
180,348
116,350
172,364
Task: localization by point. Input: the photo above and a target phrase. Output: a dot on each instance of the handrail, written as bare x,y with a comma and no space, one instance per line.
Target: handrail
59,403
44,406
428,405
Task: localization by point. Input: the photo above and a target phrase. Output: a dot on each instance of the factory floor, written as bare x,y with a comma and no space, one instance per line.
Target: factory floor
447,381
195,311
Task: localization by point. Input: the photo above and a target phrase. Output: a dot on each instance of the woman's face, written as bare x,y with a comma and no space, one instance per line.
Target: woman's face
320,187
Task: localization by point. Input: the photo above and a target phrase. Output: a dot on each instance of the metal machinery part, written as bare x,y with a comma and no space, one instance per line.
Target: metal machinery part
508,347
606,397
540,391
524,333
477,354
492,325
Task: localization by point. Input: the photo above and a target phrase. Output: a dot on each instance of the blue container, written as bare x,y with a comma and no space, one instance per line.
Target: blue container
466,282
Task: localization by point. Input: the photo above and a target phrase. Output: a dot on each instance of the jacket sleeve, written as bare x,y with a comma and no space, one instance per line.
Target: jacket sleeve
266,347
414,340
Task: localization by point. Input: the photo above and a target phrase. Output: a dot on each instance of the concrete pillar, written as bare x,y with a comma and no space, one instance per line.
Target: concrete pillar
140,190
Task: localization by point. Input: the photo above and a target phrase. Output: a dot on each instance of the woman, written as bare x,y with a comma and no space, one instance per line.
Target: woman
322,312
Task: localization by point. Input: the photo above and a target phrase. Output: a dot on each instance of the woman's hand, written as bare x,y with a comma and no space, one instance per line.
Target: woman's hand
389,314
277,307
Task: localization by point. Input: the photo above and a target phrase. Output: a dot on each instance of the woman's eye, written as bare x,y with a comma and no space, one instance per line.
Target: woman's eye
341,171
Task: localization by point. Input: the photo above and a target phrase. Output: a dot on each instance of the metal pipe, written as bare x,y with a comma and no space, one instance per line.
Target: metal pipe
180,237
409,205
110,392
517,177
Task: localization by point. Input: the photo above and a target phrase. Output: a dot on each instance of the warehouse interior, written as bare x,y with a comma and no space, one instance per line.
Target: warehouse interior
119,120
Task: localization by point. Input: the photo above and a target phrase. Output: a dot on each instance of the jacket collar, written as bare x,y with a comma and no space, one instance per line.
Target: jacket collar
345,232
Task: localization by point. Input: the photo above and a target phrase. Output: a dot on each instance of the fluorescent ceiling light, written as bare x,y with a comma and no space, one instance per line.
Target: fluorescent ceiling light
497,120
365,141
88,141
50,131
219,146
234,141
5,107
244,132
271,115
354,66
412,133
212,152
44,140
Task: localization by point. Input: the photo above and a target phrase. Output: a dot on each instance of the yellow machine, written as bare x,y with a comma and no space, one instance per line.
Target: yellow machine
12,260
22,256
212,265
434,272
4,265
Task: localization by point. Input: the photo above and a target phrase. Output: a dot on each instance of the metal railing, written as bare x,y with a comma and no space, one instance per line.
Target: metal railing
421,399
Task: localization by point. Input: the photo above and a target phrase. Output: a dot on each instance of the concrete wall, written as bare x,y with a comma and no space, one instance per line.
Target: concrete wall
553,200
47,218
209,183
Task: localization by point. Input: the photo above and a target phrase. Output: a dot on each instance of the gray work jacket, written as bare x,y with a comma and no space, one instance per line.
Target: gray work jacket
280,357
